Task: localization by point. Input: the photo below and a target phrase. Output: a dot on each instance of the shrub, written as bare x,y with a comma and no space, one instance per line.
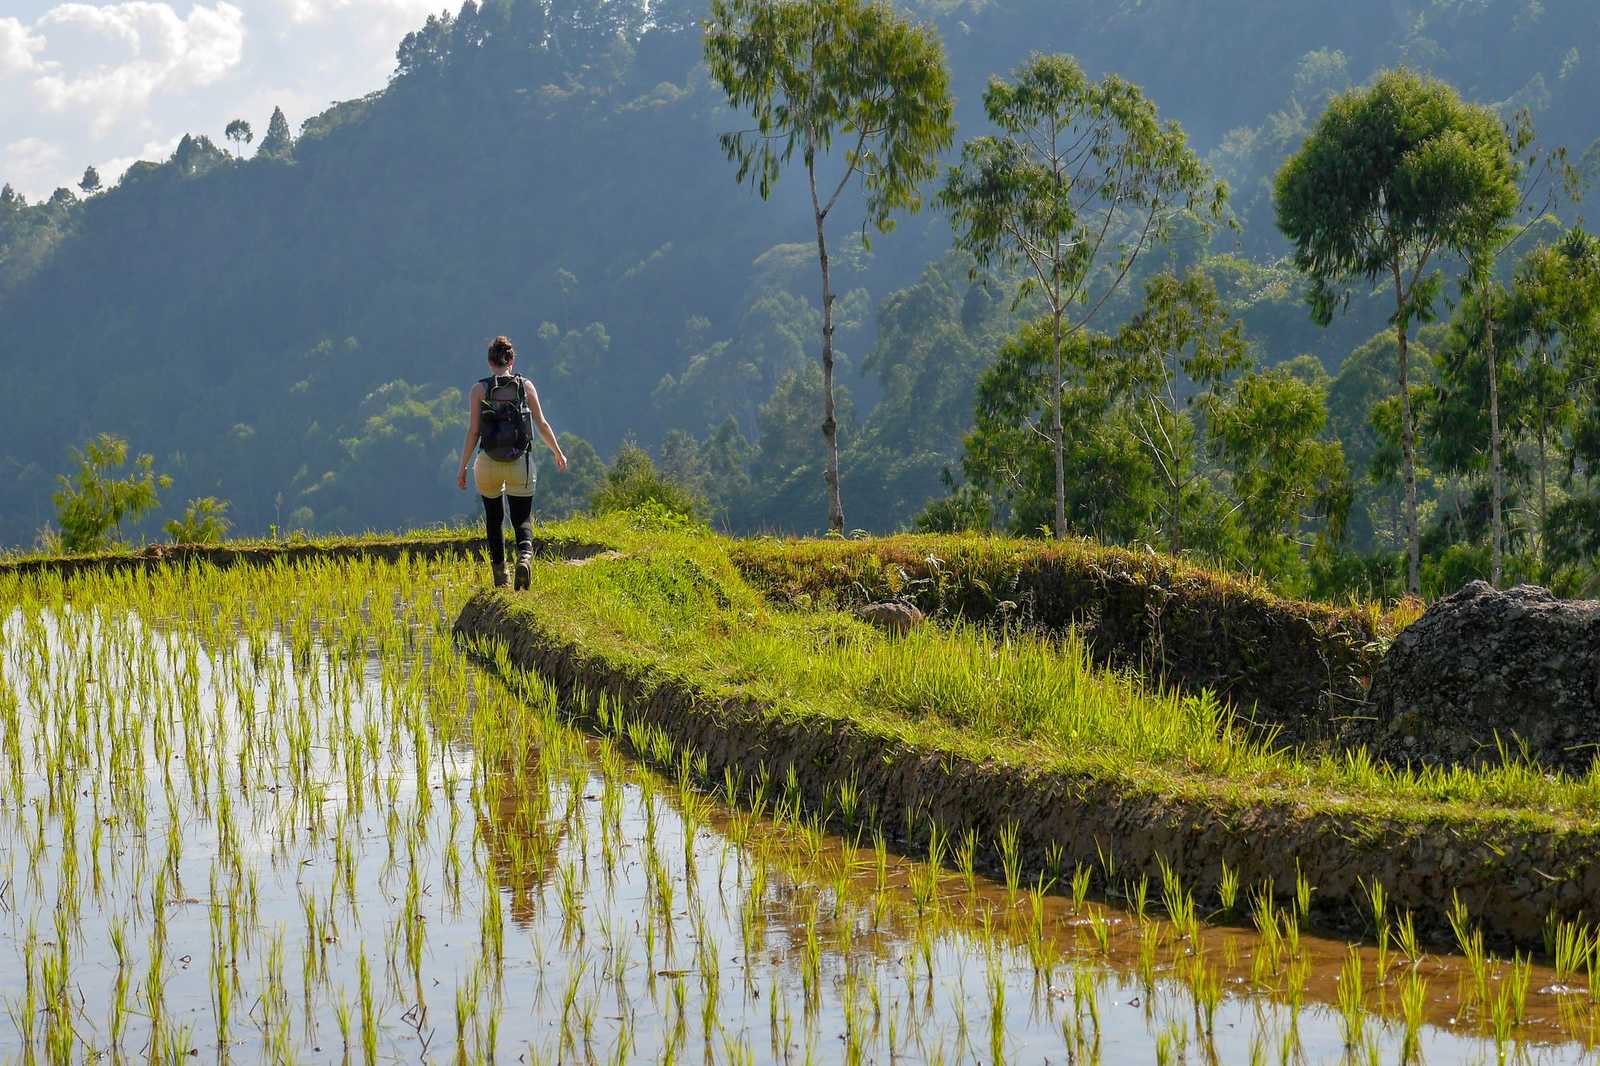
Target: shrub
203,522
91,504
632,481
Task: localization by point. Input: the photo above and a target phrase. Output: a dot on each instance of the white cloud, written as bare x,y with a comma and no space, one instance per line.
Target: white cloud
118,80
32,165
18,48
303,11
110,60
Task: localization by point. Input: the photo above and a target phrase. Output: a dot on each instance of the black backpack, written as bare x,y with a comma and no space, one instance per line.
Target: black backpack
505,424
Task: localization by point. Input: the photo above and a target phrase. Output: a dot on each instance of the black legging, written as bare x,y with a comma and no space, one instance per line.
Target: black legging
494,516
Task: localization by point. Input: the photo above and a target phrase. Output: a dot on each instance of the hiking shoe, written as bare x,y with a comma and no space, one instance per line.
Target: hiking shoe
524,573
501,579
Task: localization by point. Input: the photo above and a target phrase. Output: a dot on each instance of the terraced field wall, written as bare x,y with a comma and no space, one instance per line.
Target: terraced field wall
1511,871
1301,669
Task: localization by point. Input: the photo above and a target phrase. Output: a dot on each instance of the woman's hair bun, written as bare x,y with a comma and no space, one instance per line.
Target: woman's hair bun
500,351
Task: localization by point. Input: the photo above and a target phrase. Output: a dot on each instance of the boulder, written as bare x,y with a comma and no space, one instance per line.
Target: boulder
1483,667
896,618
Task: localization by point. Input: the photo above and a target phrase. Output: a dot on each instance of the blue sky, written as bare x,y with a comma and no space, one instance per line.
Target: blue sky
107,82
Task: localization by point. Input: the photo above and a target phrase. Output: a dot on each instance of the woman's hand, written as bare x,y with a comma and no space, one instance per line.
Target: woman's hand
561,462
461,479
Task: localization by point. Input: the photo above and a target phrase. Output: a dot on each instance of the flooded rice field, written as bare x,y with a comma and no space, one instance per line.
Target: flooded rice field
273,815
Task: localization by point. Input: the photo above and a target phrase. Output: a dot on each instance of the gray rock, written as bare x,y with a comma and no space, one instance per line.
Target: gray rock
1522,666
897,618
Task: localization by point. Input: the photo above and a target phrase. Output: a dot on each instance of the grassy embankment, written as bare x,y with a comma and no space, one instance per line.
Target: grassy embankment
441,542
1022,738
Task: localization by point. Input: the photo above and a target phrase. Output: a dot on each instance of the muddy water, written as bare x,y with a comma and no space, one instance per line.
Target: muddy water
304,835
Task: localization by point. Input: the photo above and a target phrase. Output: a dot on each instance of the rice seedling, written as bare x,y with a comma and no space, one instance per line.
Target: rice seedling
1352,1008
1080,885
1010,856
1228,889
1571,946
1302,896
1137,894
1413,999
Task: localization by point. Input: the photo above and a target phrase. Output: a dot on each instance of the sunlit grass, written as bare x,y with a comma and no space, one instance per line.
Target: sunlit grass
678,605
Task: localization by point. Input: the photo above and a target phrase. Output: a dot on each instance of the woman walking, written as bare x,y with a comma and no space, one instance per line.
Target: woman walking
502,413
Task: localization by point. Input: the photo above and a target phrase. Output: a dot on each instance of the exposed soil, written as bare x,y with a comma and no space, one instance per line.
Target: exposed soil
1510,876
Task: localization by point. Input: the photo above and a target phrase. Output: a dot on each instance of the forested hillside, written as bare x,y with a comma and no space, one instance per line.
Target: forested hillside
294,331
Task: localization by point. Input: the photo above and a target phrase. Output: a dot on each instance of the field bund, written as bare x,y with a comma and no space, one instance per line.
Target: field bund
670,634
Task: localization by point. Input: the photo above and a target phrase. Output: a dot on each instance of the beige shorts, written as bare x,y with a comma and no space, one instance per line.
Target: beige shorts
495,476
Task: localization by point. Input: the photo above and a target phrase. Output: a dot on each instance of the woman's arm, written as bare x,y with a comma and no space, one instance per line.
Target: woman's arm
545,431
474,401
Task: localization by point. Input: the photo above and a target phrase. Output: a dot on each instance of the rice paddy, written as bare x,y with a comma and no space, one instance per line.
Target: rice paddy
274,814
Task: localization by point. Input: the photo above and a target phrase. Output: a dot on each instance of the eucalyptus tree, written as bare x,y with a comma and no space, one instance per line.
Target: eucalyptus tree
1082,176
1170,357
1556,296
240,133
1393,178
809,71
1548,174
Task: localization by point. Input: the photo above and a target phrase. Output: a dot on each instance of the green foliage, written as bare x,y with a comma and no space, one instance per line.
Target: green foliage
1080,169
807,69
810,69
632,481
966,509
92,504
1285,478
278,142
240,133
1393,178
566,493
1169,360
204,521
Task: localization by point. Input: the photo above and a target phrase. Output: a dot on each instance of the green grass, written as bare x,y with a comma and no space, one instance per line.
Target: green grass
441,534
678,605
952,572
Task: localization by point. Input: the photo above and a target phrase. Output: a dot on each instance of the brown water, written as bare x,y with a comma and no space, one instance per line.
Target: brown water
253,811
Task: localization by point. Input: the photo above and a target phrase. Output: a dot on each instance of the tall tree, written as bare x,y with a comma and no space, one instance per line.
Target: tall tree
1392,178
240,133
1543,167
1556,301
90,182
279,141
1173,353
1079,169
812,69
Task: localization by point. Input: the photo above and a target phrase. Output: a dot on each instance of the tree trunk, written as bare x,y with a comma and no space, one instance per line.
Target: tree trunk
1408,443
1057,432
1544,457
830,424
1496,493
1175,539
